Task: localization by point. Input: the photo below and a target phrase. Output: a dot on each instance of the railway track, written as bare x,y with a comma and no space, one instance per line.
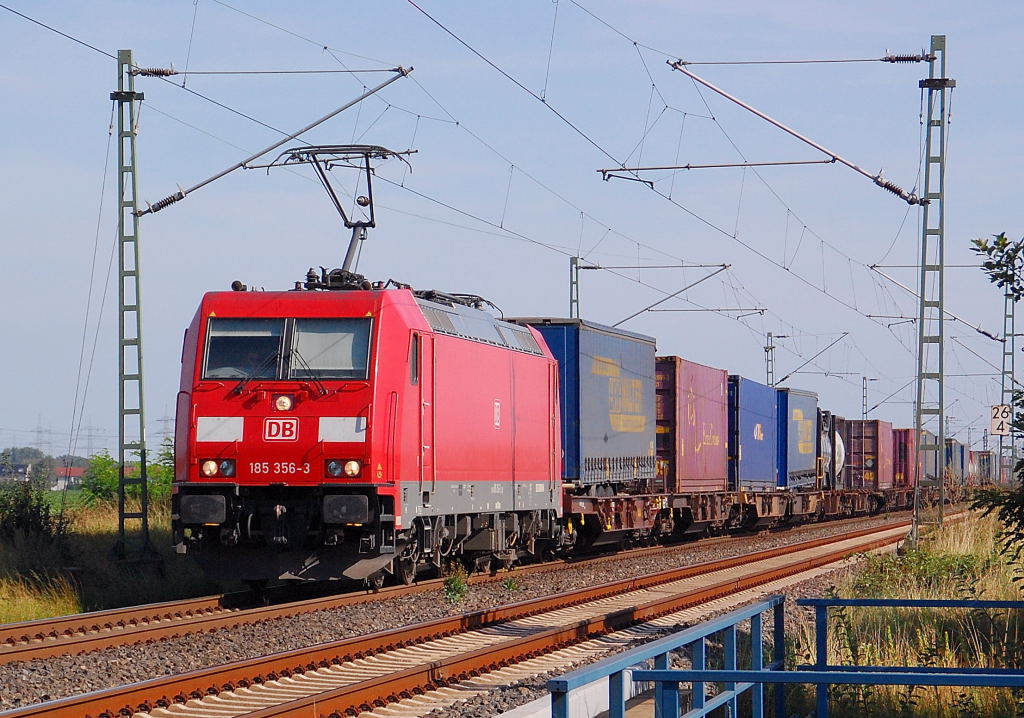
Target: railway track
356,674
86,632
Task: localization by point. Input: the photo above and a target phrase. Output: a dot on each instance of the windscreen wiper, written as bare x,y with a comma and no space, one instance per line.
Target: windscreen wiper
311,373
240,386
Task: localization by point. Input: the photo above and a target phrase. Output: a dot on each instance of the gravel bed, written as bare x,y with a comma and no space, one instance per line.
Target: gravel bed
41,680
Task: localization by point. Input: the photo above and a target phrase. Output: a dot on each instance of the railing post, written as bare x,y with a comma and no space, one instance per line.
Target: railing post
616,695
668,705
559,704
779,655
660,663
699,663
821,657
729,646
757,664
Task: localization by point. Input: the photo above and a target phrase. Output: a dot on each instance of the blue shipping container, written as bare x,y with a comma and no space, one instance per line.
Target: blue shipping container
606,389
956,460
753,435
798,438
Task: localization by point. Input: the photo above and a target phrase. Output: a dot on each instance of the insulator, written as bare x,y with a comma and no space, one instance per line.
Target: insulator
906,58
166,201
154,71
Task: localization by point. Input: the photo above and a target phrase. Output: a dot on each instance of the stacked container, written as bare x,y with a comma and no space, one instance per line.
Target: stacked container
929,464
869,448
606,387
798,438
956,461
831,451
984,467
753,435
904,457
692,434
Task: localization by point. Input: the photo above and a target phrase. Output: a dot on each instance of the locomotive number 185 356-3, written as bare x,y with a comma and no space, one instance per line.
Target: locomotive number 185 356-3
277,467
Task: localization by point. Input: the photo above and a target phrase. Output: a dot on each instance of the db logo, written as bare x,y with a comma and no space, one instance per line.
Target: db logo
280,429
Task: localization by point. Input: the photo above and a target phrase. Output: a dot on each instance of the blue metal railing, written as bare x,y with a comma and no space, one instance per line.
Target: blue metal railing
824,674
613,668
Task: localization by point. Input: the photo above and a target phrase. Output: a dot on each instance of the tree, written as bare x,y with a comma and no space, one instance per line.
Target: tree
7,462
26,454
161,471
1003,263
102,475
42,472
100,480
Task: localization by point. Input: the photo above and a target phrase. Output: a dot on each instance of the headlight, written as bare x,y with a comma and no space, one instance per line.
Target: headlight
335,467
352,468
227,467
209,467
283,402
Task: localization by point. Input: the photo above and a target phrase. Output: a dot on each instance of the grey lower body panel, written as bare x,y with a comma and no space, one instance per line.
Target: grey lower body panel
442,498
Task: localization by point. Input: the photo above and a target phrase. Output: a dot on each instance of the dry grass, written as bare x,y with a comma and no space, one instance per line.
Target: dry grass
82,573
959,561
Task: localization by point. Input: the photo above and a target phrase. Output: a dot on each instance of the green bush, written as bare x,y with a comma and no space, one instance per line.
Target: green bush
25,508
886,574
102,475
456,584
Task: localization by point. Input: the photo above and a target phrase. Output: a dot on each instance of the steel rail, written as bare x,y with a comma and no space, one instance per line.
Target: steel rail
82,633
164,691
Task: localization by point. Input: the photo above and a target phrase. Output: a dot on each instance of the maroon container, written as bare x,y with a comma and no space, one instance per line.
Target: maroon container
904,464
692,434
869,449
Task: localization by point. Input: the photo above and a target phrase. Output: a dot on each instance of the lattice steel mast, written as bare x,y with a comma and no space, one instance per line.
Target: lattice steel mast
131,434
929,403
1007,385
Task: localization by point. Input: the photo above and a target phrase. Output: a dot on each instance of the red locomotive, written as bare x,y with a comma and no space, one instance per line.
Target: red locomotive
326,434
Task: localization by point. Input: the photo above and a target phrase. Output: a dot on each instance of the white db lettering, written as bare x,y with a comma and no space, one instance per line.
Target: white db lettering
280,429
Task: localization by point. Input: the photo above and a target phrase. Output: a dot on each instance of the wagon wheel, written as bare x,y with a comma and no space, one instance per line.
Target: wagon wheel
405,565
405,570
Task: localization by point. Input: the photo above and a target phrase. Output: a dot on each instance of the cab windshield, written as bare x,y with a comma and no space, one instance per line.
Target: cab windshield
315,349
240,348
330,349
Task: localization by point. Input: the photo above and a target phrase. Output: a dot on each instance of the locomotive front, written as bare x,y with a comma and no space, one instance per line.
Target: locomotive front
279,473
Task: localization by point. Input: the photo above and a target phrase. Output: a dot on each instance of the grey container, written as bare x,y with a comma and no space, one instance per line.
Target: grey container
929,459
606,389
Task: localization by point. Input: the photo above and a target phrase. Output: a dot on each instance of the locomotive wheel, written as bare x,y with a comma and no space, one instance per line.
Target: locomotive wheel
405,570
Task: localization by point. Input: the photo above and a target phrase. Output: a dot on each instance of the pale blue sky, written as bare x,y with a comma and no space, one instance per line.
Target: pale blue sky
519,176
